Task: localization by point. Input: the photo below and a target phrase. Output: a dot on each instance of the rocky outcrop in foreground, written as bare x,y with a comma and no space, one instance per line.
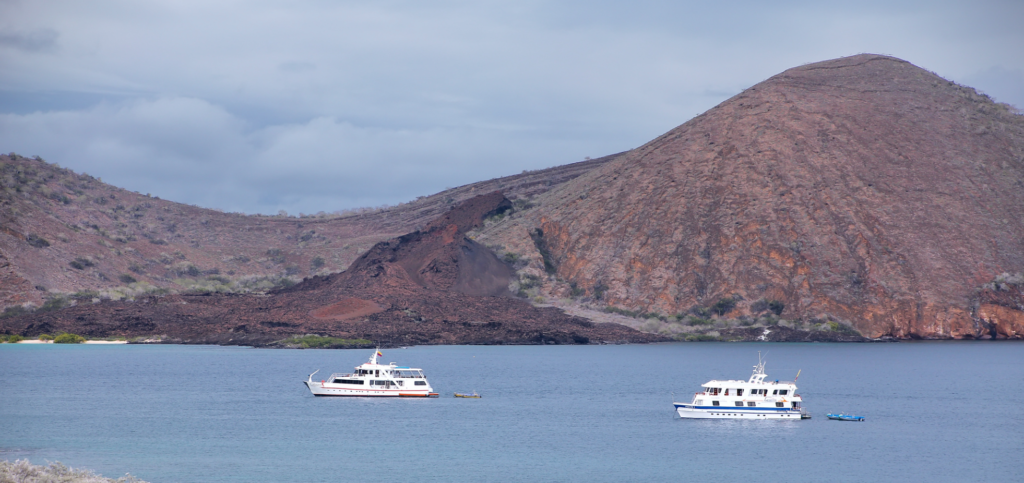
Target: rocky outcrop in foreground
23,471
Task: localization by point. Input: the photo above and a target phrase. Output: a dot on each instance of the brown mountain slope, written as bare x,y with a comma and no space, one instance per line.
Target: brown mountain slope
863,190
427,287
63,232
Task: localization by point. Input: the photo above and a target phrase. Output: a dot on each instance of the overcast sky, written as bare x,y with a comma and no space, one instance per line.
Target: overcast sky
307,106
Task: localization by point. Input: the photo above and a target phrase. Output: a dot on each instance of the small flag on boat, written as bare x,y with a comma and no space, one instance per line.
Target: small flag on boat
379,354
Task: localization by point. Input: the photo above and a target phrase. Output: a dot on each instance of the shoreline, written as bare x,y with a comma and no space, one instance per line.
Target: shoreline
98,342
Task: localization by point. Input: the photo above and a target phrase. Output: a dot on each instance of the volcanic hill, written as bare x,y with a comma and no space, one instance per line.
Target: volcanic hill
434,286
67,234
862,191
860,195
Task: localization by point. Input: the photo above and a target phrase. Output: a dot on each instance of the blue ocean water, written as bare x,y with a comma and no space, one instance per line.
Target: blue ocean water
936,411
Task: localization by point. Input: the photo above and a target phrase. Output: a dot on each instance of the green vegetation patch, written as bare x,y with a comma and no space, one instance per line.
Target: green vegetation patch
13,338
67,338
700,338
318,342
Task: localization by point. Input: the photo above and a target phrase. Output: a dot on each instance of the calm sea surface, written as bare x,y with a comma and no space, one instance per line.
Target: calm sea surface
936,411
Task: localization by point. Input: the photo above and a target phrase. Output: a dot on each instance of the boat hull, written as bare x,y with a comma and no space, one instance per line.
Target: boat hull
688,411
844,417
321,389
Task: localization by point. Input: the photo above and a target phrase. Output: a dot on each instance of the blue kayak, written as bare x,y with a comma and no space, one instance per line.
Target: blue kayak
845,417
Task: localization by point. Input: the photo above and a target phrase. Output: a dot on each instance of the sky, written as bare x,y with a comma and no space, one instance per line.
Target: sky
326,105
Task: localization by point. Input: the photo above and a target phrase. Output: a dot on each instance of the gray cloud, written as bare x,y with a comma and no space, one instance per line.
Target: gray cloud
311,105
39,40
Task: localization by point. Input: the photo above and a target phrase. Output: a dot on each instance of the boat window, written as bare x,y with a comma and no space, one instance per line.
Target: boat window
775,392
783,392
739,392
726,392
739,403
421,383
714,403
778,405
751,403
349,381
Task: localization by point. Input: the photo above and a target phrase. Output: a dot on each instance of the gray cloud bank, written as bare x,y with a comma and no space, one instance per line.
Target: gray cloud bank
315,105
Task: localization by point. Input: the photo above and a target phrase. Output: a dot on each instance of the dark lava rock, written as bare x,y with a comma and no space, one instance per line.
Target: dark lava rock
435,286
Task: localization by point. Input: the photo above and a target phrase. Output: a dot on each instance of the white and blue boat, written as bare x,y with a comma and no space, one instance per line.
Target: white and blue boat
372,379
751,399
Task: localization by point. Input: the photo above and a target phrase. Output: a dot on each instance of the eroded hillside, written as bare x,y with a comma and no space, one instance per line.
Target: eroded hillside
861,191
66,237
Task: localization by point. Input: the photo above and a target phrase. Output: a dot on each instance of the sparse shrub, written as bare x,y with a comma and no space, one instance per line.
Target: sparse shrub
697,321
54,303
68,338
37,241
700,338
759,306
316,262
45,337
137,268
529,281
626,312
14,311
699,311
776,306
542,247
599,291
14,338
186,269
276,255
127,279
81,263
576,291
724,306
318,342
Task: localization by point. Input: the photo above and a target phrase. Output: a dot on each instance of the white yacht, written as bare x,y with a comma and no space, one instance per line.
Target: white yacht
374,380
751,399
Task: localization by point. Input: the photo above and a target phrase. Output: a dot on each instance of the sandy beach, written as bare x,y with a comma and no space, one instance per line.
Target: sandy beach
36,341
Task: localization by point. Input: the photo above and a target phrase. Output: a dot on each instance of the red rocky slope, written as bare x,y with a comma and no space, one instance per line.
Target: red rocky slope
62,232
862,190
434,286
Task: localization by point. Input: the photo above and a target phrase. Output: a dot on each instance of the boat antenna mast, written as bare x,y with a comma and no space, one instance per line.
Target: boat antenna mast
759,375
